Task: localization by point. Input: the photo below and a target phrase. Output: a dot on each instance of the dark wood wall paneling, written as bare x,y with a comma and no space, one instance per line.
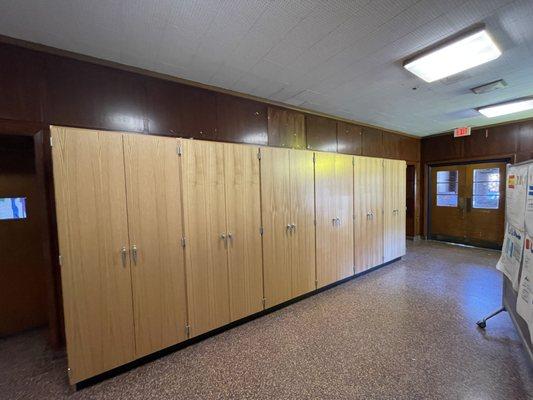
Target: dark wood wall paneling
321,133
286,128
63,91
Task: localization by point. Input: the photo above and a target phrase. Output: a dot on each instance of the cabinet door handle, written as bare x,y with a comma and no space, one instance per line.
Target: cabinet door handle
123,252
338,221
230,236
334,221
223,236
289,226
134,253
293,227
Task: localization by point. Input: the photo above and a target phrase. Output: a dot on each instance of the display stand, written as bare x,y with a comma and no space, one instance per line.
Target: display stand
509,298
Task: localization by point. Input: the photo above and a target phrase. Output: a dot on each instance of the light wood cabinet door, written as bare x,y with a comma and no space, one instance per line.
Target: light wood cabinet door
302,232
205,232
326,218
275,205
393,209
368,211
155,230
344,234
92,225
243,215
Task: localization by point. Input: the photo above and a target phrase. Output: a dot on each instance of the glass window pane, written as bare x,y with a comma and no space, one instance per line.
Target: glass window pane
492,201
447,176
487,175
447,188
447,200
486,188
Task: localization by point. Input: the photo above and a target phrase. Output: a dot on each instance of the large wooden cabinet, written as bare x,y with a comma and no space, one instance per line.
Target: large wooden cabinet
223,242
155,231
163,239
334,217
368,212
287,189
393,209
119,238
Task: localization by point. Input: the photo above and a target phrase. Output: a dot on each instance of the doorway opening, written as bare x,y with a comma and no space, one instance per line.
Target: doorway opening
467,203
410,201
23,286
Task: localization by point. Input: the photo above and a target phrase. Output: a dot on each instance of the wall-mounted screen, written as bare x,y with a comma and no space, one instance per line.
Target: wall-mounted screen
12,208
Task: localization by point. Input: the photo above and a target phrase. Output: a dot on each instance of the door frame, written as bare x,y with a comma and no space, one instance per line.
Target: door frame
427,198
40,133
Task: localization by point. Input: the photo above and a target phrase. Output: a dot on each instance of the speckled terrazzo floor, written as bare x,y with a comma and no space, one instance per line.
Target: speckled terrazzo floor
405,331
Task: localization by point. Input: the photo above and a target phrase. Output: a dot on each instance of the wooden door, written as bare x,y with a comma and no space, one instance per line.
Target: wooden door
394,209
484,204
275,205
447,202
243,215
90,194
326,192
368,211
344,235
467,203
155,230
302,232
205,232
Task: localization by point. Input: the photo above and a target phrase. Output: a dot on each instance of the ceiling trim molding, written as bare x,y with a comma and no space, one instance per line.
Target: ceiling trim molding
112,64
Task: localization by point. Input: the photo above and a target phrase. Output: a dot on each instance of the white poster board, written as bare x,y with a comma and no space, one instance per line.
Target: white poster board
529,201
515,195
513,247
524,301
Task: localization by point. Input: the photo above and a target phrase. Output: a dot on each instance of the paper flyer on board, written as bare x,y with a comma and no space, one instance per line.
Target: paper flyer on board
524,301
529,201
515,195
513,246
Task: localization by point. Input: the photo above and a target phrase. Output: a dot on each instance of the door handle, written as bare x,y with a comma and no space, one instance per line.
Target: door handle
338,221
293,227
288,230
123,252
230,236
134,253
333,221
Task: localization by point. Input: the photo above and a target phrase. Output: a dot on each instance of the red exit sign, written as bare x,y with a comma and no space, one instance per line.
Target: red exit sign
460,132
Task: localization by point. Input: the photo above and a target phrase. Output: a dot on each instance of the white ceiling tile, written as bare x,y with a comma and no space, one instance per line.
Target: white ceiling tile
342,57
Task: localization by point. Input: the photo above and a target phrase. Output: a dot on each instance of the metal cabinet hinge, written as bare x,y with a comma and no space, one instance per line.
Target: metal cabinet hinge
261,230
354,269
259,155
188,330
316,283
178,150
183,241
51,141
60,261
264,302
353,161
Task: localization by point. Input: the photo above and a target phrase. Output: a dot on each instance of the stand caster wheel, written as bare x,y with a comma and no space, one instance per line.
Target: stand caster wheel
481,324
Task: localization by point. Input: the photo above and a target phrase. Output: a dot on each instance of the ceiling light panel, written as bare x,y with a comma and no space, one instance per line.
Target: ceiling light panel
507,108
467,52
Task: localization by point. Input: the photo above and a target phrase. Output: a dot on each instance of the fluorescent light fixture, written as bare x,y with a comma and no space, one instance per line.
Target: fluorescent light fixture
510,107
459,55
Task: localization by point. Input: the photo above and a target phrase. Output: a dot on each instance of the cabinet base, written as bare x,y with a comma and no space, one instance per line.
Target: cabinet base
154,356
